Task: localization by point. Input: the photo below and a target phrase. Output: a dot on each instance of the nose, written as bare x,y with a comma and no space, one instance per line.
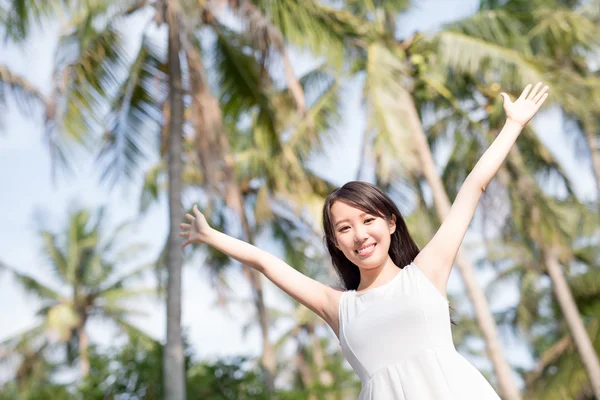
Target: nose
360,234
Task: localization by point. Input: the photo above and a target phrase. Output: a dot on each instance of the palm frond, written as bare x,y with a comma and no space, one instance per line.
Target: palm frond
32,285
27,97
590,9
322,117
568,31
154,184
115,312
87,71
136,333
13,342
21,16
388,110
496,26
465,154
561,372
239,77
106,10
55,253
268,39
115,295
135,116
310,24
480,58
124,279
366,9
541,161
586,285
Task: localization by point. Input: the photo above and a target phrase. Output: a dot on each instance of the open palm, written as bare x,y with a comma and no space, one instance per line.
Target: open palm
197,230
528,103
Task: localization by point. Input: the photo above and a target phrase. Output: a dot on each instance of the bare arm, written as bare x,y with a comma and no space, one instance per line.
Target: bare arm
320,298
437,257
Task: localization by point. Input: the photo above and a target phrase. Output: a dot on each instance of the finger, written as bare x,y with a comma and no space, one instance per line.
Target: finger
195,210
184,234
185,226
525,92
506,98
185,243
542,100
189,217
534,91
540,94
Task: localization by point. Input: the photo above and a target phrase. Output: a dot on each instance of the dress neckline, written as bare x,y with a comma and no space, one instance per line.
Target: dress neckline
378,288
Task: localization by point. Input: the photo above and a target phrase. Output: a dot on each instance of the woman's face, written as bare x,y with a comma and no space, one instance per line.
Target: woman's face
362,237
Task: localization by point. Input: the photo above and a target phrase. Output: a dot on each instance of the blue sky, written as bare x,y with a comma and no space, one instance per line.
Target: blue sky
25,177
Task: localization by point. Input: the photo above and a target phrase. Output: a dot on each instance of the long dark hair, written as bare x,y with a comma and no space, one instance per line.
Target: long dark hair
372,200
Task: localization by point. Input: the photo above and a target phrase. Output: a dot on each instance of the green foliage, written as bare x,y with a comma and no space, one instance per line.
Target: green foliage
134,371
451,78
87,261
225,379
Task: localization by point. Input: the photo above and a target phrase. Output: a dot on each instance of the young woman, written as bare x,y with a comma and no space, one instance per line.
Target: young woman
392,319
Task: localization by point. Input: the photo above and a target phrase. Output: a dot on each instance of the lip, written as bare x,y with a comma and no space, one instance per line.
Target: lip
367,252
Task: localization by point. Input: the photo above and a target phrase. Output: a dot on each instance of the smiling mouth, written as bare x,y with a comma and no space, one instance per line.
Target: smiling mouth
365,250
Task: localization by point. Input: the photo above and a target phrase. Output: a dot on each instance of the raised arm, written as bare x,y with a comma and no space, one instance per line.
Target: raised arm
437,257
320,298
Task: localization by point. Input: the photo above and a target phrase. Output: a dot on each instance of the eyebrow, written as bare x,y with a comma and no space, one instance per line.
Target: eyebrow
345,220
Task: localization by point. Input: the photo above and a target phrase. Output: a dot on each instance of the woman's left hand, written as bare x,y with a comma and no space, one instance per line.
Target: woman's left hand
525,107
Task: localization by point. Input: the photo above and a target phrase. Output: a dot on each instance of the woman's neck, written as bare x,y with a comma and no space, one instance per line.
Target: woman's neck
374,277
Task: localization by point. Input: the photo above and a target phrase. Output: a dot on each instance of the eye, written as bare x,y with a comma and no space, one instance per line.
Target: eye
343,228
368,220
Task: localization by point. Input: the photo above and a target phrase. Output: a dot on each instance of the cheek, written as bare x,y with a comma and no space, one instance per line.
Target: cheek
384,238
342,243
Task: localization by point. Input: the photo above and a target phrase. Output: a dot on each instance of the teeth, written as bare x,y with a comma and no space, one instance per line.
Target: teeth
365,249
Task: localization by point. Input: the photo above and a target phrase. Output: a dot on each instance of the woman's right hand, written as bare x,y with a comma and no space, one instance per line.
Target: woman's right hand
198,230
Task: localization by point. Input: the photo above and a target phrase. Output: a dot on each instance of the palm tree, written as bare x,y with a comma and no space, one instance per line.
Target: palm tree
539,316
245,91
560,368
28,355
553,248
173,365
578,36
86,260
489,46
566,35
397,72
92,65
537,219
296,189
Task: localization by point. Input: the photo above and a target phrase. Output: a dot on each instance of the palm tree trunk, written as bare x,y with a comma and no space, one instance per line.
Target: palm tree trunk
594,145
525,183
84,359
293,83
569,310
213,149
486,322
324,375
304,371
173,365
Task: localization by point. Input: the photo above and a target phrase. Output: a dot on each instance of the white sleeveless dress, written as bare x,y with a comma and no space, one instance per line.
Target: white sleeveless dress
397,338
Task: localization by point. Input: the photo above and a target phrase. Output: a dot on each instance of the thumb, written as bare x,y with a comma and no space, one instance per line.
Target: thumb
506,98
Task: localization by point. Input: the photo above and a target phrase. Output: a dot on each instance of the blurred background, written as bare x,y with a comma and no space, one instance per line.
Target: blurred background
116,116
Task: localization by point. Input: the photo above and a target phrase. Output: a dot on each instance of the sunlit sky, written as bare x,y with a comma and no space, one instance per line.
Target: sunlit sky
30,200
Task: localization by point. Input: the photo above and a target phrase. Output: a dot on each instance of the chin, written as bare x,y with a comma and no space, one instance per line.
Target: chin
370,264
